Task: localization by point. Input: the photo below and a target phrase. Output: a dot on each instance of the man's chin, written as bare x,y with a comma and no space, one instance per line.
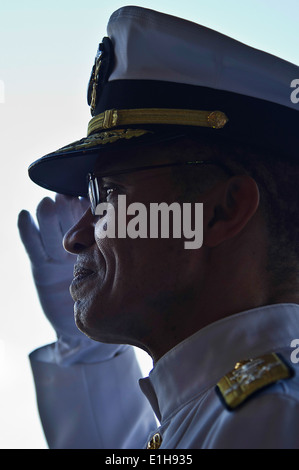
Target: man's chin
81,314
86,320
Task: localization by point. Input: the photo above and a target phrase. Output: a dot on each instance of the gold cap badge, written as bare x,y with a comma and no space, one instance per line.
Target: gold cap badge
101,70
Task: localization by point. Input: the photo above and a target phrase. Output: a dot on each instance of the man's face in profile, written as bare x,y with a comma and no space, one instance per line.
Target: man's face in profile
125,288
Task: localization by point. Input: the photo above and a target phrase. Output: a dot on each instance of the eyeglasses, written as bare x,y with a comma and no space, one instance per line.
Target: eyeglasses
94,189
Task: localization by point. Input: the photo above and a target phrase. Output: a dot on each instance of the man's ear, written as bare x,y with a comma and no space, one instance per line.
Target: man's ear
229,209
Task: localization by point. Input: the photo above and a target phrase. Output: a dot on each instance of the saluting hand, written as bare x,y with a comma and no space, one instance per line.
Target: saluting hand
52,266
52,269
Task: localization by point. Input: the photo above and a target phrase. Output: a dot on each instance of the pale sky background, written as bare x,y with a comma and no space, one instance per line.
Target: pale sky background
47,49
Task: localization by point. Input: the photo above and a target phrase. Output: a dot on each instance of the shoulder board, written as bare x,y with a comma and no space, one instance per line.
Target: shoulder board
251,376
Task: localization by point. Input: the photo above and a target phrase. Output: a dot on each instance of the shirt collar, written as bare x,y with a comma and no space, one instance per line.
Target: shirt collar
198,363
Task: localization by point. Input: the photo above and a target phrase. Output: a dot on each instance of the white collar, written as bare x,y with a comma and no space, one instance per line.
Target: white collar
197,364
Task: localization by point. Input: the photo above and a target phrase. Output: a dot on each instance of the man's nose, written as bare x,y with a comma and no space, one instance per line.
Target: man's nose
81,235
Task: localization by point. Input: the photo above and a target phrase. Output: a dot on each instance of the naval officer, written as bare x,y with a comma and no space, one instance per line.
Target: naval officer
180,113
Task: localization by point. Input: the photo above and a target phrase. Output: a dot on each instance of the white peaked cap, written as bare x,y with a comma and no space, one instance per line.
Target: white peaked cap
157,77
153,46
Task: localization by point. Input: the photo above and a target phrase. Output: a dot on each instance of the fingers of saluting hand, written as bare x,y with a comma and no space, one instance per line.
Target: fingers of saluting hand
69,210
31,238
55,218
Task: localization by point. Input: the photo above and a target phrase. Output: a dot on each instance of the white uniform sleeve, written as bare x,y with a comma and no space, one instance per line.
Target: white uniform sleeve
92,406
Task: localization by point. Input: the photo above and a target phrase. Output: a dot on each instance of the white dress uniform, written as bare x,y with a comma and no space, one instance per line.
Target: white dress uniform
101,406
160,77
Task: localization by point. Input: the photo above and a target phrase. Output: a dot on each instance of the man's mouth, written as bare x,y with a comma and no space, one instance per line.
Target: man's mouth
82,276
81,273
